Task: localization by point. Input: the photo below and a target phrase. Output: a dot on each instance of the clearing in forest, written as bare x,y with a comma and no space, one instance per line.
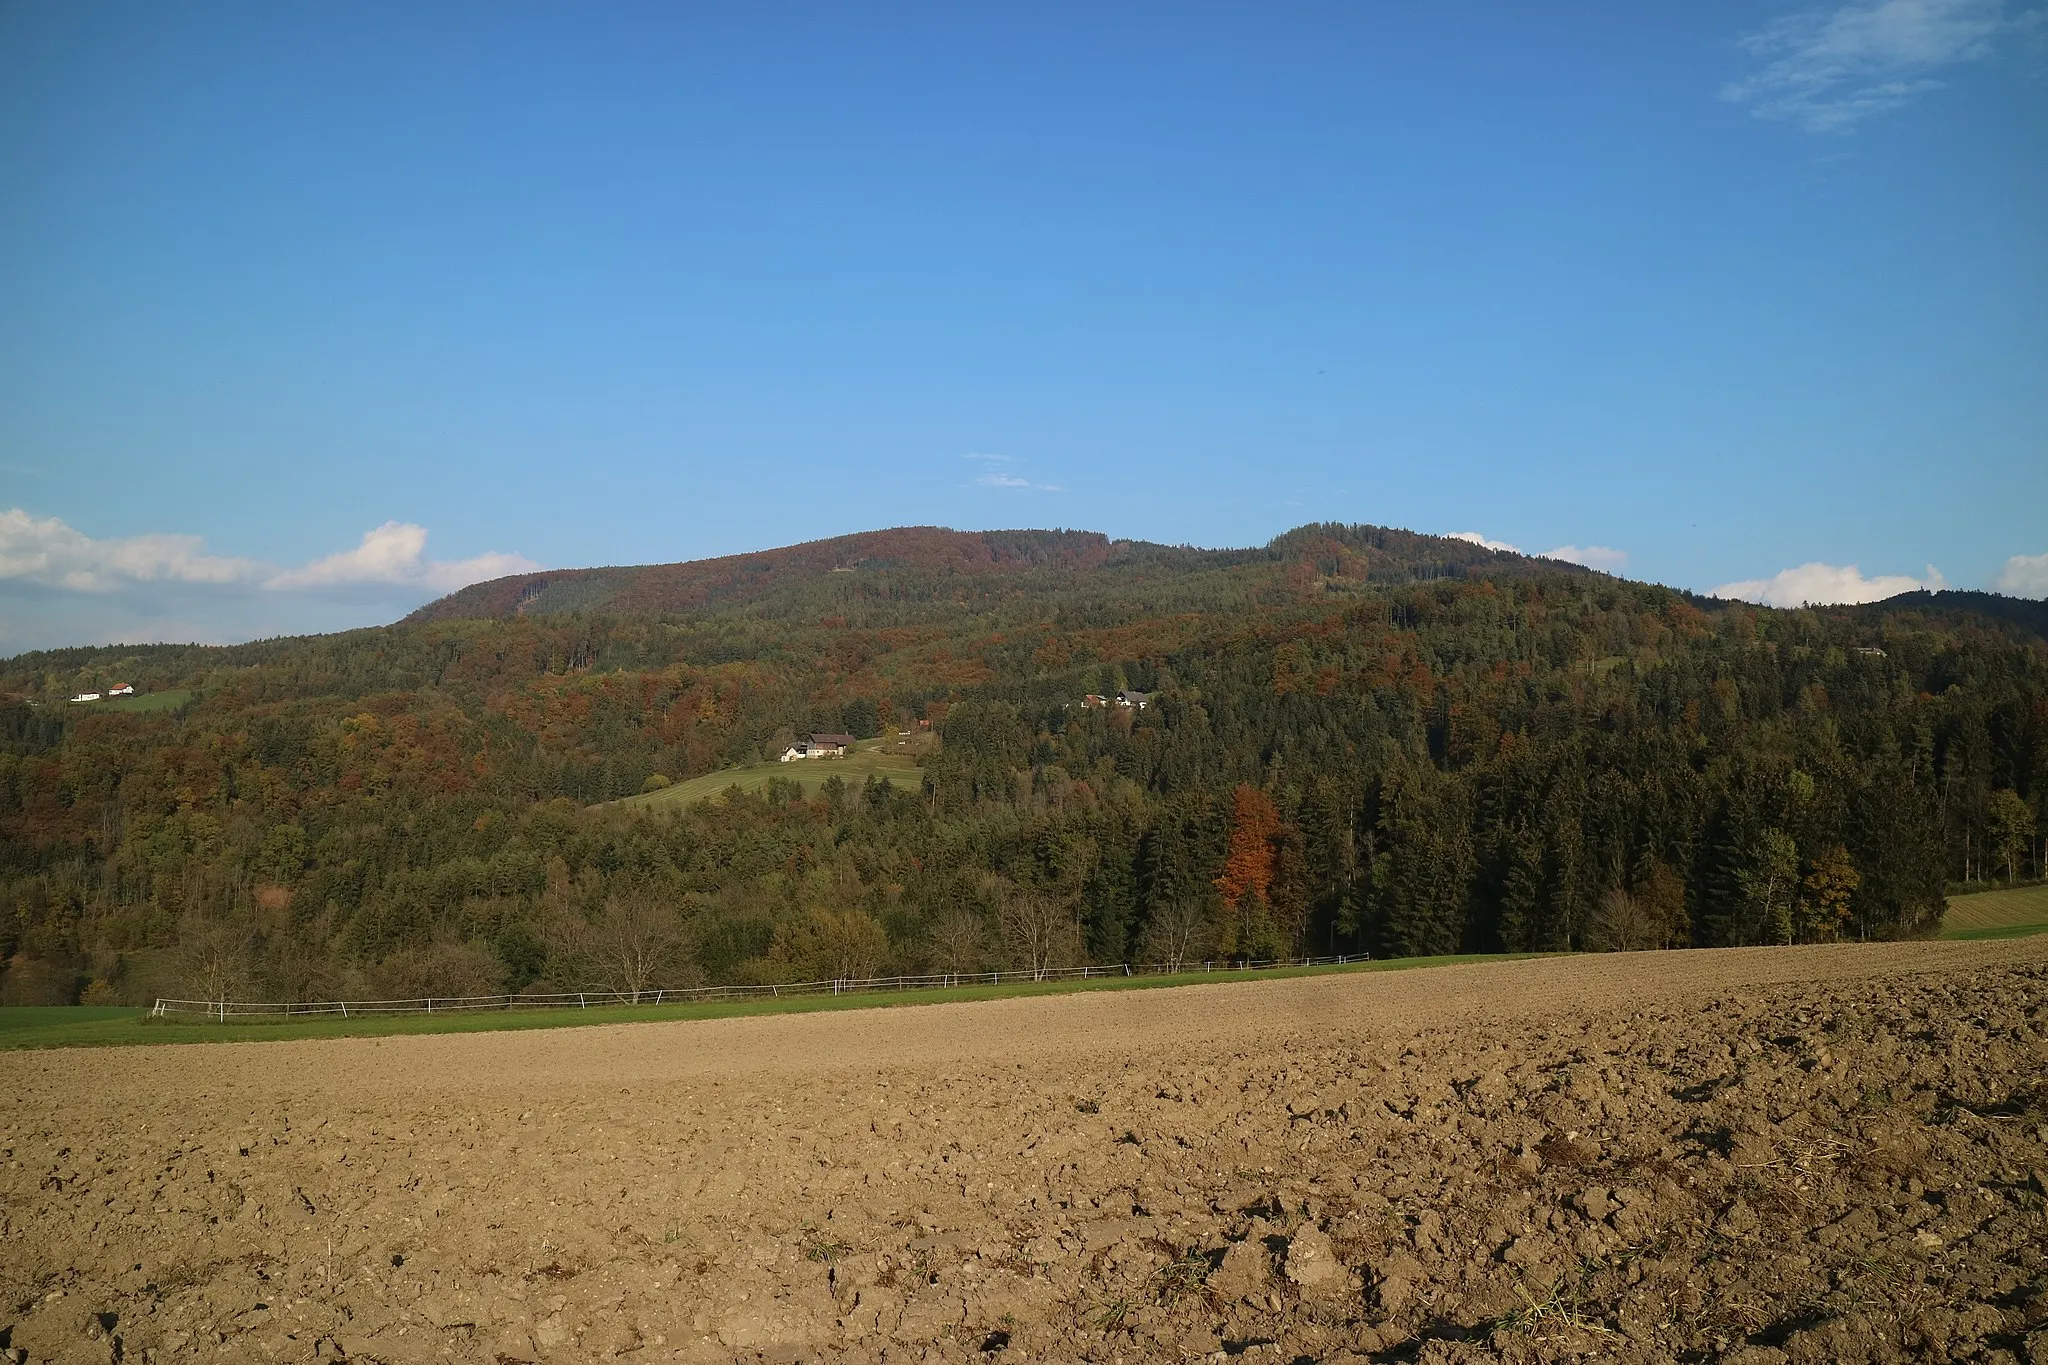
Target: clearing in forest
893,757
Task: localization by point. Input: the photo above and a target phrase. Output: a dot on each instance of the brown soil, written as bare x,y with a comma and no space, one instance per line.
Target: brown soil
1814,1154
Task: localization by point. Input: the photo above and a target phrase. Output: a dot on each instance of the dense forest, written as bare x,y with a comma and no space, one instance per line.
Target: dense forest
1354,739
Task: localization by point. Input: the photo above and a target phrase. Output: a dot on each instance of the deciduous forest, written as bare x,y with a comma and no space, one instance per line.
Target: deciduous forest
1352,739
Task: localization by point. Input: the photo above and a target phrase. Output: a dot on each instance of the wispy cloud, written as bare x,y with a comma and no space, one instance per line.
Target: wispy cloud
2024,576
995,477
1824,585
48,553
1828,70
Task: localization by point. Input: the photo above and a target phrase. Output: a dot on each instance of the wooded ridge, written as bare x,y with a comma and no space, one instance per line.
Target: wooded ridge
1354,739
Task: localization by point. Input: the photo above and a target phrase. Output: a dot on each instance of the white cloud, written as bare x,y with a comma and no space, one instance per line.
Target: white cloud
1601,557
1828,70
394,553
55,555
1823,585
1480,540
50,554
2024,576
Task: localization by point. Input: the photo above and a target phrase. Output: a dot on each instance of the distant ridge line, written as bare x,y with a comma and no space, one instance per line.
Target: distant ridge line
940,553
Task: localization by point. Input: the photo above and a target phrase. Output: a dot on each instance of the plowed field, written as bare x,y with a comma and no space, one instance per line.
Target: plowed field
1811,1154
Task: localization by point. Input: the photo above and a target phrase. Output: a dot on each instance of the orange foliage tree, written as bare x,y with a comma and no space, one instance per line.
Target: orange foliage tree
1248,864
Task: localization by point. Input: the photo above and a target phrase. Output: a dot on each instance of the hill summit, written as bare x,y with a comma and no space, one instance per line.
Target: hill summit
920,562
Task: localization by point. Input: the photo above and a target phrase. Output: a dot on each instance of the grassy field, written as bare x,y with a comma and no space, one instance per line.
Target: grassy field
84,1026
2013,913
893,758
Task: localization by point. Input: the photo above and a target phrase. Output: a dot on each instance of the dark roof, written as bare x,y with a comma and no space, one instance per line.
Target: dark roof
843,741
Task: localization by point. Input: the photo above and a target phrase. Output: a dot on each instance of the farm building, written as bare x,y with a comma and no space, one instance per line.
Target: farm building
819,746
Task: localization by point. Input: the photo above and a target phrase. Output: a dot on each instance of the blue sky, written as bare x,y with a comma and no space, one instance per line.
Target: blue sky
308,314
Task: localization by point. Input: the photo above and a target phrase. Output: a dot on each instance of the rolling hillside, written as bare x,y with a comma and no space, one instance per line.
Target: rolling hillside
1352,738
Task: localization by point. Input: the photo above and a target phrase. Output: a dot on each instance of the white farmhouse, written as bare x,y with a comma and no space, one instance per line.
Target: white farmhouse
819,746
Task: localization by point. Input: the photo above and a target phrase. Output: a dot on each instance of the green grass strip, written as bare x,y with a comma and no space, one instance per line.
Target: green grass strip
84,1026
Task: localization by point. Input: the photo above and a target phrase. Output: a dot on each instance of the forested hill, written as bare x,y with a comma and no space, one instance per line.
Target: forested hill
1351,738
2018,613
929,563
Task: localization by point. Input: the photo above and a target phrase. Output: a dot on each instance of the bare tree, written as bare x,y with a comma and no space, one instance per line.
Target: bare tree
214,956
844,945
296,969
1040,931
443,969
1174,934
959,941
638,941
1625,924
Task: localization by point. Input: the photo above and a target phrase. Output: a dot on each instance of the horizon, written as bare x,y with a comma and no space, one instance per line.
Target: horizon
315,318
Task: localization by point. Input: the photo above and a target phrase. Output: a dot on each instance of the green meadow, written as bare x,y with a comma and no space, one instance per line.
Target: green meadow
2014,912
893,758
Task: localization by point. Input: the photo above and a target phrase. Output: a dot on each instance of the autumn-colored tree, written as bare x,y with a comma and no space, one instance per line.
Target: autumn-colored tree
1248,862
1831,879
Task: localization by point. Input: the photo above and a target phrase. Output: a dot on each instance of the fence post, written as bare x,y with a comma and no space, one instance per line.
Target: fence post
430,1004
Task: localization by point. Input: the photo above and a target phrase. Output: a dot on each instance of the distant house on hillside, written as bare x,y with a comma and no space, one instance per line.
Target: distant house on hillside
87,696
818,746
1093,700
121,690
1138,700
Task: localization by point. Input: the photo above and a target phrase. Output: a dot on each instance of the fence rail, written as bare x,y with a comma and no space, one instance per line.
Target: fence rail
225,1010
